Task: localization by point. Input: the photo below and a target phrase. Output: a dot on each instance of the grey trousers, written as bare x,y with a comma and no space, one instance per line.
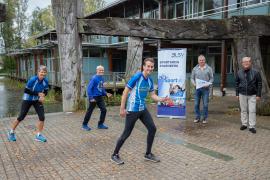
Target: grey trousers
248,110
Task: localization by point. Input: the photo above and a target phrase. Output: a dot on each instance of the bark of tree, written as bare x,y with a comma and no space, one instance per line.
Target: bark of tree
2,12
191,29
250,46
134,56
66,13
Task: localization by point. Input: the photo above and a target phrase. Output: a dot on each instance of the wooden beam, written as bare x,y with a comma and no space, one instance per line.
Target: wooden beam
194,29
2,12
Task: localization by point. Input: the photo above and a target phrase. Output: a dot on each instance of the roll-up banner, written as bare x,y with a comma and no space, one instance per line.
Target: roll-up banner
171,82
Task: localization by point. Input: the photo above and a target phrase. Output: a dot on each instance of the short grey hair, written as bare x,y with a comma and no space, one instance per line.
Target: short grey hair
100,66
246,58
201,56
42,68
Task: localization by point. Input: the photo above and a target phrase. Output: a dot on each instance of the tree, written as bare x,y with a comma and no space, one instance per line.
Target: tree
20,22
7,29
93,5
66,13
42,20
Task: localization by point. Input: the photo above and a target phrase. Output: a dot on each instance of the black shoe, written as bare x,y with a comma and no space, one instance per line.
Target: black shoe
243,127
253,130
116,159
151,157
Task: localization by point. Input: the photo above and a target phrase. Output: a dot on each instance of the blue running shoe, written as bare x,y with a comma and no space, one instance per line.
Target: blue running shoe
86,128
11,136
40,138
102,126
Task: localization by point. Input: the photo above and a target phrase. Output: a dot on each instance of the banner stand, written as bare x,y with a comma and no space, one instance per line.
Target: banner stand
171,82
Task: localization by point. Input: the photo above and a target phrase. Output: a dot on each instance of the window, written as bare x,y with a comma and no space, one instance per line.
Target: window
85,52
170,12
94,53
250,2
180,10
214,49
212,6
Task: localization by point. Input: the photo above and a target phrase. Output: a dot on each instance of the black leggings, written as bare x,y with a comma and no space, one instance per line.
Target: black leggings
131,119
26,106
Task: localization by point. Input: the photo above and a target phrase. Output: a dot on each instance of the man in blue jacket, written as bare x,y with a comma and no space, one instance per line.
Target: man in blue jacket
95,92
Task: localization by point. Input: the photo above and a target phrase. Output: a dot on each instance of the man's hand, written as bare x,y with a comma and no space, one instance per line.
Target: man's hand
258,98
92,100
41,94
165,99
237,97
109,95
41,99
123,112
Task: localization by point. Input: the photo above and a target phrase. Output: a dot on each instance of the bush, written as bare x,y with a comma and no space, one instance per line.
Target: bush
263,110
9,64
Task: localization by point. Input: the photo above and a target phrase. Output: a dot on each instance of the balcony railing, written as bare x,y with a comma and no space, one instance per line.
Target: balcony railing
220,10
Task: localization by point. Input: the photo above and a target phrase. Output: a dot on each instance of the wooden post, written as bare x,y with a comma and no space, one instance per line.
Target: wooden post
223,68
134,56
66,13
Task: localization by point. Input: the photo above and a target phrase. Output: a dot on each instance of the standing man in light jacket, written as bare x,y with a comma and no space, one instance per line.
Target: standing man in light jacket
202,72
248,90
96,91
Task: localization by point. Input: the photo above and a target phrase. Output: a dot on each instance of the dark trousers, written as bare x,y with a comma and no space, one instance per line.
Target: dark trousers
26,105
101,105
131,119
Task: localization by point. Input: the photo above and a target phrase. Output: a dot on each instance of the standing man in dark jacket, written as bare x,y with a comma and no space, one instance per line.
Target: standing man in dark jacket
248,91
96,91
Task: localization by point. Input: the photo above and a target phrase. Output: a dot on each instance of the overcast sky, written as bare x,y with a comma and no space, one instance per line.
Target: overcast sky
32,4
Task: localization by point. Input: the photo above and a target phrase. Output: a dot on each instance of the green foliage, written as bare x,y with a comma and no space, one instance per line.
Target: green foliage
9,64
93,5
42,20
263,110
53,96
14,84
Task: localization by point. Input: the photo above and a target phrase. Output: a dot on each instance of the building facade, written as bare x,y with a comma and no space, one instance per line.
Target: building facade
111,52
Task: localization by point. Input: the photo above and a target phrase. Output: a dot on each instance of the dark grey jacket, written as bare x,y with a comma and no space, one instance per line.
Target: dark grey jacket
248,82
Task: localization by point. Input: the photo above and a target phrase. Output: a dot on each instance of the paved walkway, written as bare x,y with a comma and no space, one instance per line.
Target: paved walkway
218,150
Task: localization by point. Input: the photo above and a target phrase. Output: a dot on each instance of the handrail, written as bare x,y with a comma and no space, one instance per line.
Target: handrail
242,4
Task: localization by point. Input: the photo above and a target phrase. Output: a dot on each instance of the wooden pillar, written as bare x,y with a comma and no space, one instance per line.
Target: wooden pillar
223,73
225,9
110,60
36,63
134,56
161,13
41,59
66,14
250,47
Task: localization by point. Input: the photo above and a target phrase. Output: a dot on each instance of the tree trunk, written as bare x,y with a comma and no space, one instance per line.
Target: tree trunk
2,12
250,47
66,13
134,56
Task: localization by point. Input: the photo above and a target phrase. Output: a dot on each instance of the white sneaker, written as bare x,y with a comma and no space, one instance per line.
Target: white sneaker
204,121
196,120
